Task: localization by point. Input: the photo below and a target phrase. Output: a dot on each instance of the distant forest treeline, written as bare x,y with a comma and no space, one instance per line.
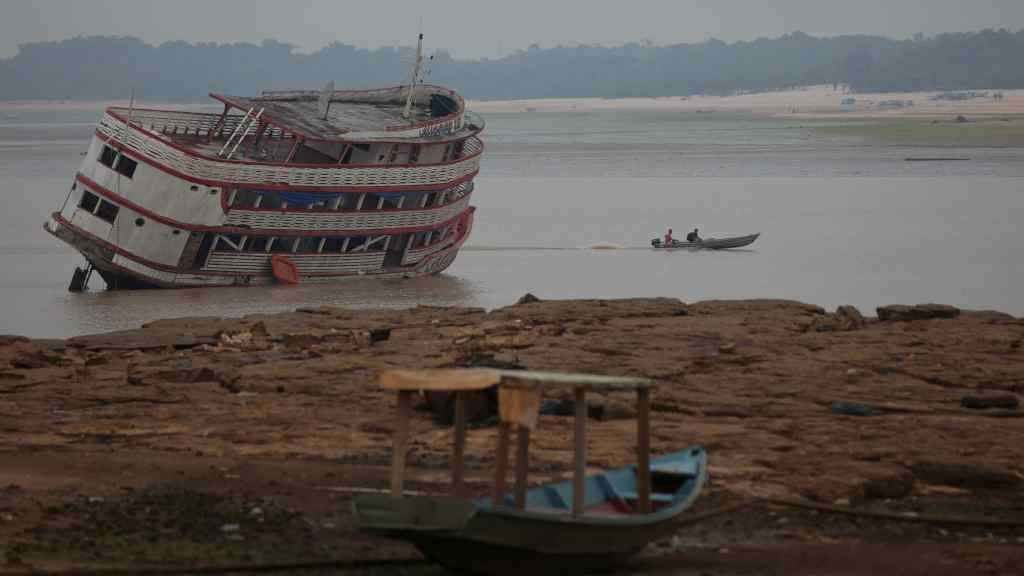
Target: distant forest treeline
99,68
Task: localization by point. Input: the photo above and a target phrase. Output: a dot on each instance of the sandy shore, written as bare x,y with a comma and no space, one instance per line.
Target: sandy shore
210,441
805,102
809,102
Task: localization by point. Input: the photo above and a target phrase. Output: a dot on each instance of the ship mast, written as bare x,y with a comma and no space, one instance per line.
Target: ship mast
415,77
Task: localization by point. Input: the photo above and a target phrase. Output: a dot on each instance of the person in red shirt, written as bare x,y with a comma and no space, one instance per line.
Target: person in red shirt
668,238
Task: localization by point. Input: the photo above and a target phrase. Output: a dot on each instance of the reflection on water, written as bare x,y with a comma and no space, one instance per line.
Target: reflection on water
101,310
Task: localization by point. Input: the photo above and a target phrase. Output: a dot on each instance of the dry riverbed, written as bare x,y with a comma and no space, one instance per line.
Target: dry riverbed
209,442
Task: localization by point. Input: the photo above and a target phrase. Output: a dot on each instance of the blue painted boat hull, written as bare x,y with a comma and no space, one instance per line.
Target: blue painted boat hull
545,537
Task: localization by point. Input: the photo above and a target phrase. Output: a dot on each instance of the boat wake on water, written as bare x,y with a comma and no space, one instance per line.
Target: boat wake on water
605,246
594,246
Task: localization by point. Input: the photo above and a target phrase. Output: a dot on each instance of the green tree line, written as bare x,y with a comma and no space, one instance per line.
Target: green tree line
97,68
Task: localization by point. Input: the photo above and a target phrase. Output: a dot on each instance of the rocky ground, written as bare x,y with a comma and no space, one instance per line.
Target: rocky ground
204,442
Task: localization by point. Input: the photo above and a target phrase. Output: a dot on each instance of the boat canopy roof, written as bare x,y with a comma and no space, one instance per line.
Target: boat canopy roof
464,379
369,114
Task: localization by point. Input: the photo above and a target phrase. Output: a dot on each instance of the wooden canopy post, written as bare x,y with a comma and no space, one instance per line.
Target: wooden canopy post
643,467
578,485
460,442
501,465
398,451
522,465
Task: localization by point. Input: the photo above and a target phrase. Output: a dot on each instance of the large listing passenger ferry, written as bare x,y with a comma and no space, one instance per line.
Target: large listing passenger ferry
329,182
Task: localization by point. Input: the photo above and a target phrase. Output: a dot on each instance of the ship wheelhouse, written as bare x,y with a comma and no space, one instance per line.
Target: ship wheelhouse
338,182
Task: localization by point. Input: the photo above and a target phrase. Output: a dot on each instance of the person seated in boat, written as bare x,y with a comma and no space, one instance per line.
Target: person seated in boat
693,236
668,238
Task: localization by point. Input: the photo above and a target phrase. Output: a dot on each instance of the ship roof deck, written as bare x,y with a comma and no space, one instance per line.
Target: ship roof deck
343,117
350,113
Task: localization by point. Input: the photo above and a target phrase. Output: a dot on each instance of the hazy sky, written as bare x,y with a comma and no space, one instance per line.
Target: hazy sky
475,28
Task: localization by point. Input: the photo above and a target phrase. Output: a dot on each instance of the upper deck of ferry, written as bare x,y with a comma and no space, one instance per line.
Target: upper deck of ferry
313,127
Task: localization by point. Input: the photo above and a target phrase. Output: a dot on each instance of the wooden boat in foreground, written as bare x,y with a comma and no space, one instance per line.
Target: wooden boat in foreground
708,243
580,525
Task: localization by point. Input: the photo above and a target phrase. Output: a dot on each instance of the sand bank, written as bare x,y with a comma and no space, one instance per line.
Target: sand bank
813,101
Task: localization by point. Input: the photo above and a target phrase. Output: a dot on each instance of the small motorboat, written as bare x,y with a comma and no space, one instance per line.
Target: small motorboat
586,523
707,243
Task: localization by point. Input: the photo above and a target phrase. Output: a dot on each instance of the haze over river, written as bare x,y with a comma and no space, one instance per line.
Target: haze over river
844,220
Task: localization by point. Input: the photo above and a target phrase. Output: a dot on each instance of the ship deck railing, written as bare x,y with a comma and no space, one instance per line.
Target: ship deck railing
150,145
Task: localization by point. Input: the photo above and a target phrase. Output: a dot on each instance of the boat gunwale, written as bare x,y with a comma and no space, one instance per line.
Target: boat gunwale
636,519
480,507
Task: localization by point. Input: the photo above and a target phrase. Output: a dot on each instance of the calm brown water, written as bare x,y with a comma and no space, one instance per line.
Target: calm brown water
844,221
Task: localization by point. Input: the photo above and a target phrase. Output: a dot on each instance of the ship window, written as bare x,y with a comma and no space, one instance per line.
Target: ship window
390,202
108,156
334,244
271,200
140,222
229,242
283,244
88,201
245,199
107,211
256,244
126,166
309,244
356,242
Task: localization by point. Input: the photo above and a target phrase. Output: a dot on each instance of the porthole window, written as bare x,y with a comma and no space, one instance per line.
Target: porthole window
139,222
194,188
175,232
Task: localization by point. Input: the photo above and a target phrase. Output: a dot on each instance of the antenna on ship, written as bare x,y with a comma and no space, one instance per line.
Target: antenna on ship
415,77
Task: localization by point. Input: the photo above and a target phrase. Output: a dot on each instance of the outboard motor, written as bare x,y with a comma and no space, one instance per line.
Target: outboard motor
656,242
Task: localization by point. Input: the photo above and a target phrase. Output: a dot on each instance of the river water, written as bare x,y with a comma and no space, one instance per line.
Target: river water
844,220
